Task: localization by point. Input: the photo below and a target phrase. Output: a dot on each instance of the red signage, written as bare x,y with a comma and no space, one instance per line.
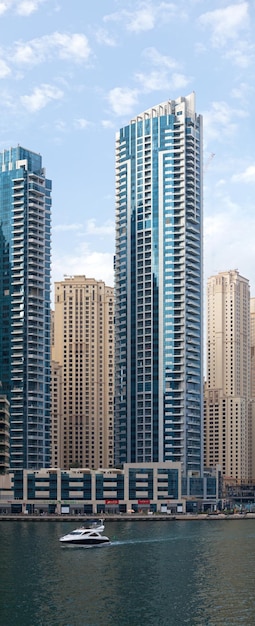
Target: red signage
144,501
111,501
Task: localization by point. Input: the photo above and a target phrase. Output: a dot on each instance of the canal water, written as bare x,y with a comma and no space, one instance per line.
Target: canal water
153,574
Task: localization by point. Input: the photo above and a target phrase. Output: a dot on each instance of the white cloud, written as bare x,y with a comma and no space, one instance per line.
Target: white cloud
220,122
74,47
153,81
122,100
4,6
21,7
40,97
226,23
80,123
162,78
147,16
107,124
179,81
60,125
241,92
229,226
108,228
159,60
93,264
27,7
90,228
7,100
67,227
27,55
223,254
142,19
158,80
242,54
248,176
103,37
223,232
4,69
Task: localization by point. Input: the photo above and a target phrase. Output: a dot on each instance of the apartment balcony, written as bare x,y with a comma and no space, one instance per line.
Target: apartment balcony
18,200
18,234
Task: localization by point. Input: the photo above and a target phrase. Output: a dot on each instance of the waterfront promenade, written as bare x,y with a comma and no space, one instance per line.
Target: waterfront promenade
122,517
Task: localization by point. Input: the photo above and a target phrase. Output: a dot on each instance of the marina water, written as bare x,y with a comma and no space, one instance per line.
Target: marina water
153,573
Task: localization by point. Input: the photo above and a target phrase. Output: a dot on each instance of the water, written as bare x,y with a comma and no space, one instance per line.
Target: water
153,573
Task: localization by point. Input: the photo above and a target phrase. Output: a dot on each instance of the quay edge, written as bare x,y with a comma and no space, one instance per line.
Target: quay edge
126,518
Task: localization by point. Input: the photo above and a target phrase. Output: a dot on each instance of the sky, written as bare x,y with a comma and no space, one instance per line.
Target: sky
72,73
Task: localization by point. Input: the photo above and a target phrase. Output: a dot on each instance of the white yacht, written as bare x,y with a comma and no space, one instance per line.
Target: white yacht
86,536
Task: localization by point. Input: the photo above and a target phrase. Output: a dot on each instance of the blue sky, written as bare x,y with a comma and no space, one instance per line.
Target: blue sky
73,72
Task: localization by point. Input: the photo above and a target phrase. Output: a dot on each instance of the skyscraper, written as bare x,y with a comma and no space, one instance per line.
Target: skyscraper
251,435
82,373
227,390
25,242
4,435
158,287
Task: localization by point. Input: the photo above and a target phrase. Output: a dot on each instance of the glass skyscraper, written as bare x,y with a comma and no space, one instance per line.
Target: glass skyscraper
25,241
158,287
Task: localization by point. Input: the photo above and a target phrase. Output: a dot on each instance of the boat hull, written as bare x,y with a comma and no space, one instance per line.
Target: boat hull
91,536
84,542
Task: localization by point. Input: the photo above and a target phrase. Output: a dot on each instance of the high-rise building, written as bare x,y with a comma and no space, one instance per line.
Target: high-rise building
227,389
83,373
57,422
4,434
158,287
25,242
251,436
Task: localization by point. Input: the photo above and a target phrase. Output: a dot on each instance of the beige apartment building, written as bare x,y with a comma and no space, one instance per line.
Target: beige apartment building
82,374
252,392
227,389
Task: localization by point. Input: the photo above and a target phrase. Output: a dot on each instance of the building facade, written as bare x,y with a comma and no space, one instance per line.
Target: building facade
227,389
136,488
251,436
158,287
82,373
25,240
4,435
57,422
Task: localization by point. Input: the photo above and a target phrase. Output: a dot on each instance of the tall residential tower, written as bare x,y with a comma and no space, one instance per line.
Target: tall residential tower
82,374
227,390
25,247
251,436
158,288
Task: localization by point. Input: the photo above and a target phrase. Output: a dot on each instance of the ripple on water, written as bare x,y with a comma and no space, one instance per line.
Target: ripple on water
153,573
